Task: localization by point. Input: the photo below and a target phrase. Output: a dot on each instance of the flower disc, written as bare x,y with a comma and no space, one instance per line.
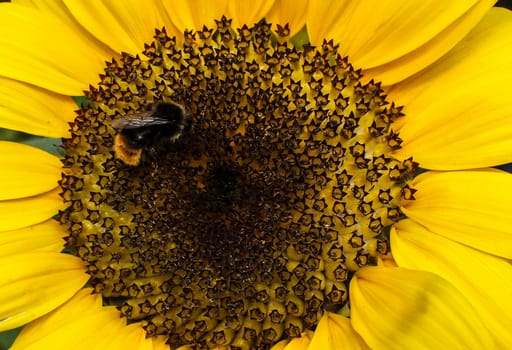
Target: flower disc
246,228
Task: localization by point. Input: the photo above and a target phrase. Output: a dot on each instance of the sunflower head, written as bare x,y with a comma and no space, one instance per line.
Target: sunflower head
246,228
237,185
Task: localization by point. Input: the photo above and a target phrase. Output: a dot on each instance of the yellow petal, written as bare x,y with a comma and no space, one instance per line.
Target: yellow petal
29,3
336,332
44,237
56,6
470,207
397,308
293,12
69,326
34,110
40,49
124,337
18,213
377,33
33,284
485,280
418,59
26,171
82,323
248,12
386,260
123,25
279,346
458,112
194,14
300,343
63,8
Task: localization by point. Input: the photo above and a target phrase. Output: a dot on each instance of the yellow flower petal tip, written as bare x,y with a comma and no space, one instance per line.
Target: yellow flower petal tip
397,308
71,59
33,110
24,212
479,218
27,171
47,236
415,247
458,112
336,332
46,279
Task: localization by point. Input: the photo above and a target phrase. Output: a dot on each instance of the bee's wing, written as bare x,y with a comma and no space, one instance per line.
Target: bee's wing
138,120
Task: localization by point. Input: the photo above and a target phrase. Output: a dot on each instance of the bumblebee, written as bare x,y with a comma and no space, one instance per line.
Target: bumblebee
144,130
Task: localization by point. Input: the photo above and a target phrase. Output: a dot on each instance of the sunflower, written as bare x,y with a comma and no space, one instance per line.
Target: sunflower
273,174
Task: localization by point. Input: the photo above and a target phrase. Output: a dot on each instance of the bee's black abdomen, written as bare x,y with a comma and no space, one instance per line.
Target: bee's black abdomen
169,111
143,137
